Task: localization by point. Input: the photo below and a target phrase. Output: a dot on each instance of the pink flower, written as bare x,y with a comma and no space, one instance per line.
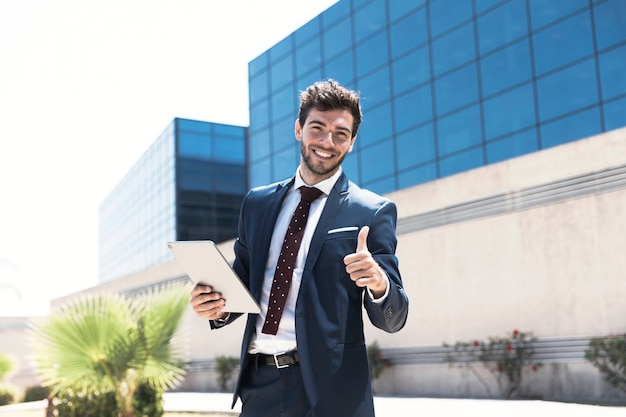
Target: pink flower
509,347
476,345
515,333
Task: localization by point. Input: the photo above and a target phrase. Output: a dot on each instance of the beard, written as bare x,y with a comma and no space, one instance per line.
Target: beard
319,169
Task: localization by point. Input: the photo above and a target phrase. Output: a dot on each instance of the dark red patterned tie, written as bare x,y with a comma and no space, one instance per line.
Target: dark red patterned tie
287,260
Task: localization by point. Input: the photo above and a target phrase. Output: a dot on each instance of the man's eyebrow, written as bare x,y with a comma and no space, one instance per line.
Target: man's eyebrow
319,122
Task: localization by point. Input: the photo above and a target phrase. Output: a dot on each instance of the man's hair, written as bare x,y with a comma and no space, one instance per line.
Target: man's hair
330,95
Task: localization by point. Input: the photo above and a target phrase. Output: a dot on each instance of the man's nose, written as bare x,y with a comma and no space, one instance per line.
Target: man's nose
327,136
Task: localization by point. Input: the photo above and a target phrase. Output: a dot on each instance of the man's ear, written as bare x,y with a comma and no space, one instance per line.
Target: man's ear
351,144
298,130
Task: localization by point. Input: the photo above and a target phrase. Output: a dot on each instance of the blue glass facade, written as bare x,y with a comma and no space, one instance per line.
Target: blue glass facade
446,85
188,185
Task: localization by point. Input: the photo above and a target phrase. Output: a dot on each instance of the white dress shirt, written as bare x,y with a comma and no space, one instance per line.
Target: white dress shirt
285,339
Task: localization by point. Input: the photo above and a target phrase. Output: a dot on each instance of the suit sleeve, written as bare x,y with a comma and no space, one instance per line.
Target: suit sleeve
391,314
241,265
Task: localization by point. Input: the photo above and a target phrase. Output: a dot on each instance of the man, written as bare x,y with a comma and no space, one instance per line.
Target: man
308,357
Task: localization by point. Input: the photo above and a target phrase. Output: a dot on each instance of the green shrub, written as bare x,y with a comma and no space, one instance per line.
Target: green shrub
86,403
376,361
608,354
504,357
147,402
8,394
225,365
36,393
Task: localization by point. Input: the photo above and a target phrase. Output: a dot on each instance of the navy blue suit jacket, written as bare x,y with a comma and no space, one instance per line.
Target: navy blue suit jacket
329,319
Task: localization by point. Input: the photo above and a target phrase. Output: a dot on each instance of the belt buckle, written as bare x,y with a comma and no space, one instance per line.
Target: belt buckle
279,366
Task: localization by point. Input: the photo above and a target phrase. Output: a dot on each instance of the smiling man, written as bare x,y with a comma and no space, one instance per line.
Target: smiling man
313,250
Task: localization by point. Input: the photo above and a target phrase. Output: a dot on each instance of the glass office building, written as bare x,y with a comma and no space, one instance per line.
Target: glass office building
187,186
446,85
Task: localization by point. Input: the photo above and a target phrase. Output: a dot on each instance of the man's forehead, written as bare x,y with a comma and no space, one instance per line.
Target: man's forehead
340,117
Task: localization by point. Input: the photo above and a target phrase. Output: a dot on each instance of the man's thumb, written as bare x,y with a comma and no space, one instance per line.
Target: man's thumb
362,239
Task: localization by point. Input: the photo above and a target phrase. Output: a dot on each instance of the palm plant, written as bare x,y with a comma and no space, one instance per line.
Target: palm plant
114,343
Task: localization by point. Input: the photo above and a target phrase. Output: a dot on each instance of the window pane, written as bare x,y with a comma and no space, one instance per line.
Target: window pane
379,160
577,126
415,147
337,39
375,88
461,162
283,135
411,70
614,114
454,49
308,57
351,166
417,175
194,145
337,12
445,14
227,149
459,131
409,32
456,89
282,72
543,12
508,112
610,19
505,68
281,49
259,143
260,173
371,54
285,162
567,90
564,43
613,72
383,186
258,64
284,102
400,8
340,68
511,147
308,31
376,124
413,108
502,25
482,5
258,87
369,20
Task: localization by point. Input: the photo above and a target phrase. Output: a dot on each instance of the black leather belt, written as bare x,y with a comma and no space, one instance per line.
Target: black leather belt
279,360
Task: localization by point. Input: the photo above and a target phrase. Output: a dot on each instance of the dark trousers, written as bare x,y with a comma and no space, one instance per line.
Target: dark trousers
267,391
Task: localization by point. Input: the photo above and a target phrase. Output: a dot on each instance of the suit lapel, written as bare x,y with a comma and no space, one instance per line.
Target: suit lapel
336,198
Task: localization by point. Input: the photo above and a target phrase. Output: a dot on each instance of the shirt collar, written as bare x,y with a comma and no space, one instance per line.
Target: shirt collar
325,186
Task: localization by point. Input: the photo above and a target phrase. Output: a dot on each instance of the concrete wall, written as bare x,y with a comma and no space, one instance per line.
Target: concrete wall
544,253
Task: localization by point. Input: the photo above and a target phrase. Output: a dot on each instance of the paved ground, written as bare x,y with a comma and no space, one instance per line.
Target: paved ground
394,407
406,407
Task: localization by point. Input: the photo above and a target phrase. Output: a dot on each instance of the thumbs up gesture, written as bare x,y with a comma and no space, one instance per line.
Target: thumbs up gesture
363,269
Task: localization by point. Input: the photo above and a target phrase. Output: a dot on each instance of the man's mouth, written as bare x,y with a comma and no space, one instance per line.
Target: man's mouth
322,153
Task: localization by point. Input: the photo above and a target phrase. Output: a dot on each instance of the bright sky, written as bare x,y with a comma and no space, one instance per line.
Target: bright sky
85,87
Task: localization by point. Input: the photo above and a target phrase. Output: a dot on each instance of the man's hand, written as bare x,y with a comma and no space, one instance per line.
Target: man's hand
206,303
363,269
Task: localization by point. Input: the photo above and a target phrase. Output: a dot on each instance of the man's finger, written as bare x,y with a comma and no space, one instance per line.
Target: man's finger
361,245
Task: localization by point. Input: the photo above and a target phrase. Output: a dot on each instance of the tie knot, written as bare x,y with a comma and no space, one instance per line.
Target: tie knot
309,194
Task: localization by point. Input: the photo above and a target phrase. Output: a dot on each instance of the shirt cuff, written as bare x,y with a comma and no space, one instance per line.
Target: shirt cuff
382,297
221,322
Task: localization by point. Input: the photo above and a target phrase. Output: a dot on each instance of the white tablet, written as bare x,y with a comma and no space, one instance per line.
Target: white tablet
205,264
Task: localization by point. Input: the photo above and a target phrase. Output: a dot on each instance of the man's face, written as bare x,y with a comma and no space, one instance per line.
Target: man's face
326,139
